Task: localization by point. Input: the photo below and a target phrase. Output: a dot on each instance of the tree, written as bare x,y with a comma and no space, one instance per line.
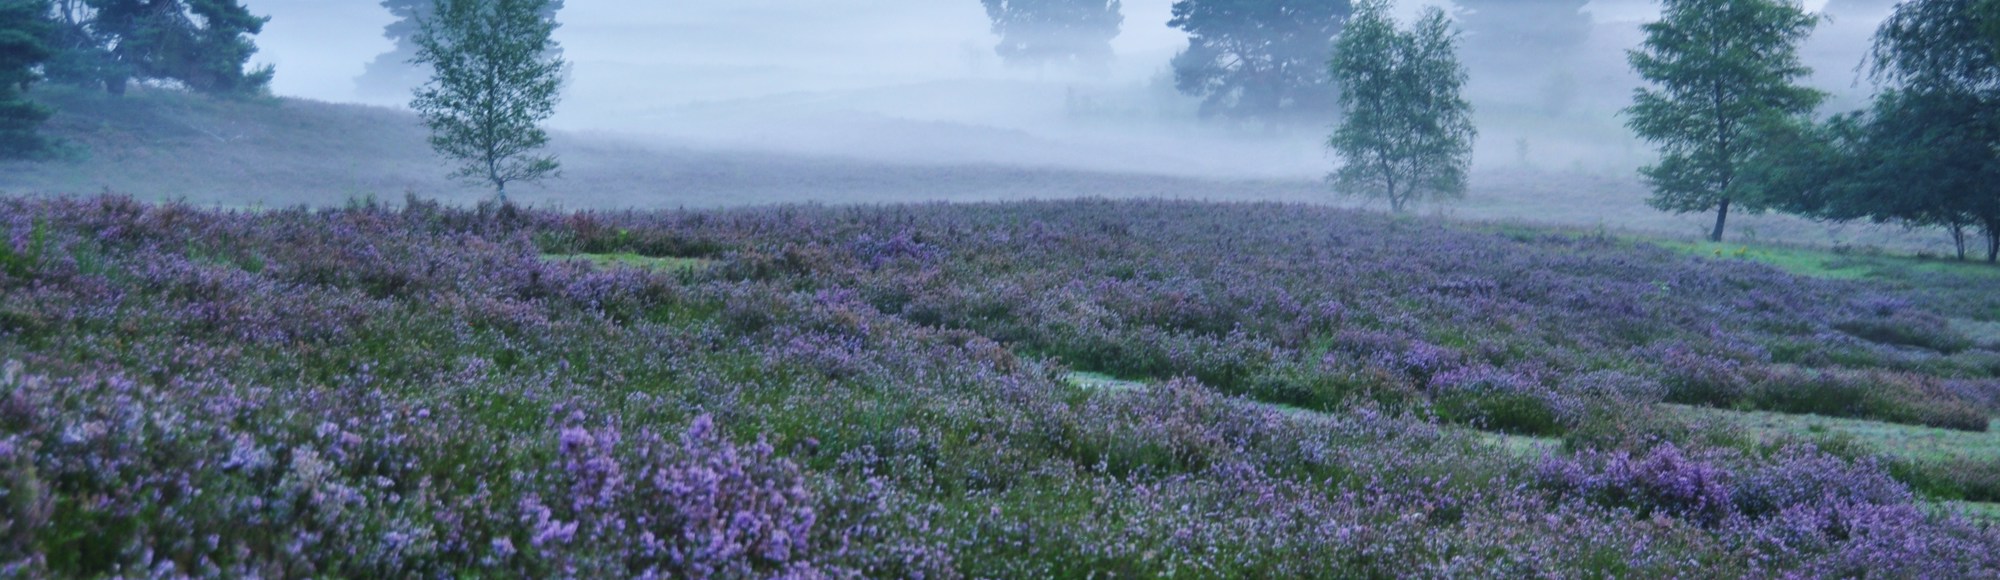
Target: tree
23,30
392,74
1406,132
1720,70
494,81
1041,32
1938,125
203,44
1259,58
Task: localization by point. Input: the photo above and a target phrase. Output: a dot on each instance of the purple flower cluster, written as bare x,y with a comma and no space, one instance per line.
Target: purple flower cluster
880,392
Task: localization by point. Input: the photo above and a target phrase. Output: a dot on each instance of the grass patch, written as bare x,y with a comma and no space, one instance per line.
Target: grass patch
1978,511
1897,440
1835,265
627,260
1522,445
1943,464
1102,382
1982,333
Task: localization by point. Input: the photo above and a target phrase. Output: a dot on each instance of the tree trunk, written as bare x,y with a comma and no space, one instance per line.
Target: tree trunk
1721,219
1993,243
1958,239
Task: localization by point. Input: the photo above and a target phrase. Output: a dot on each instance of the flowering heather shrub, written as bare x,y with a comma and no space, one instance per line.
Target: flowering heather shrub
1893,321
878,392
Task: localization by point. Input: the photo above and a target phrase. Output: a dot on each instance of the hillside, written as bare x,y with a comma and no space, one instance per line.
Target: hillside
1043,389
160,145
279,152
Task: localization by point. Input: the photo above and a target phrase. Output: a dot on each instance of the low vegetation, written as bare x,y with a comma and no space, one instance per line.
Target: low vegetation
894,392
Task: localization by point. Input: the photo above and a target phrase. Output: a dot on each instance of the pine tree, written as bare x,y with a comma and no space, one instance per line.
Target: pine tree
23,30
1720,70
493,83
204,45
1406,132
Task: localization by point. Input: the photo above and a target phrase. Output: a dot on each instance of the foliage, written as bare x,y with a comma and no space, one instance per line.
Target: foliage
24,27
1406,130
1722,73
1259,59
1922,154
494,81
393,74
1041,32
1944,64
204,45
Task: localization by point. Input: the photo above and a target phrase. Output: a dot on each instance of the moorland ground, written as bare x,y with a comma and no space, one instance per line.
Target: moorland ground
987,390
238,384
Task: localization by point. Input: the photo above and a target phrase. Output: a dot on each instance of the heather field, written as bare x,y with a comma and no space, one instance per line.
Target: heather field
1010,390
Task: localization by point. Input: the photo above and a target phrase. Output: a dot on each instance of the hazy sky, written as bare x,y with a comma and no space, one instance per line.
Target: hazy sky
917,80
320,45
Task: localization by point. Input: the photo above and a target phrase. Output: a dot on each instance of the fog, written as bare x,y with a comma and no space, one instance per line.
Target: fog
917,81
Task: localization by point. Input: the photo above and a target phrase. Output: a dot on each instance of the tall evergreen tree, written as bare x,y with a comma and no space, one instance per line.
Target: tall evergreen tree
1721,71
1035,33
1259,59
24,27
203,44
494,81
393,74
1406,131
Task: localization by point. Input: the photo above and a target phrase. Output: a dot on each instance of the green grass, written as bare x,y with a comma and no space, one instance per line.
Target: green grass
1102,382
1522,445
1890,439
667,264
1835,265
1978,511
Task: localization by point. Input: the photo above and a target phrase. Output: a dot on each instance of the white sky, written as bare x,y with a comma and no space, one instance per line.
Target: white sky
626,49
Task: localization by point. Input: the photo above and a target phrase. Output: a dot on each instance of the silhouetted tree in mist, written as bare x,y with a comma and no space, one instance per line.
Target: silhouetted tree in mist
1259,59
1525,46
1036,33
392,74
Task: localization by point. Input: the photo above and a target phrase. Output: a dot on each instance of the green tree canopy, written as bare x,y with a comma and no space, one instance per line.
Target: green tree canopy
1936,130
1406,132
1035,33
24,26
203,44
494,80
1720,71
1259,59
